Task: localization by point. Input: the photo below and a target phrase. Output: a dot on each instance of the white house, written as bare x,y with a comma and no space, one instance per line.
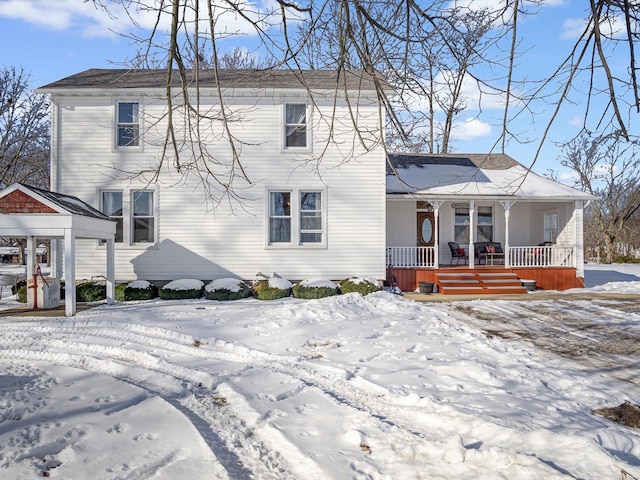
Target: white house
314,205
320,198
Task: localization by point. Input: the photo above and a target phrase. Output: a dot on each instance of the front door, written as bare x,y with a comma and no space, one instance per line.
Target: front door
426,229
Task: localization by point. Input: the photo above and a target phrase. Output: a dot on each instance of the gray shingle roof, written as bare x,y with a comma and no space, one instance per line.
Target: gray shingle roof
139,78
69,203
487,161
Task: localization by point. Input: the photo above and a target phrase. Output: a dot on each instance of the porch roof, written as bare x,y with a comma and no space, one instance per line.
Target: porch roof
469,176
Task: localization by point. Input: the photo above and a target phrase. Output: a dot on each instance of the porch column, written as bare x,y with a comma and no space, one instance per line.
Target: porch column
472,234
436,204
32,257
69,272
578,212
506,204
111,289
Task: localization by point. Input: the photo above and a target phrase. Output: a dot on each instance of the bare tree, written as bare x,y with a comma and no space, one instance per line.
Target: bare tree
24,137
608,167
24,131
410,44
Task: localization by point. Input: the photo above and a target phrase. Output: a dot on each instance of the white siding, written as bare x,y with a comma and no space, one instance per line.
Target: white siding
196,239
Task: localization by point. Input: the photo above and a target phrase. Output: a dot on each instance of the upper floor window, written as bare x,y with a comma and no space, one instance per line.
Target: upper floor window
295,125
128,125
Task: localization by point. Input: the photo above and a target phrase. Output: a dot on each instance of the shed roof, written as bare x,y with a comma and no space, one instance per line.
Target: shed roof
68,203
96,78
454,176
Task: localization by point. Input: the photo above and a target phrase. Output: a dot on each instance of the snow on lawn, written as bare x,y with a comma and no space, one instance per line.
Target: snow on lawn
345,387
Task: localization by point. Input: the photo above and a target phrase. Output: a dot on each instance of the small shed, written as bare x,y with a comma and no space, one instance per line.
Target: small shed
31,212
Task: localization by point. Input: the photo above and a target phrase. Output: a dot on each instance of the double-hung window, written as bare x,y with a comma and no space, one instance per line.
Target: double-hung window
142,216
112,207
550,226
296,127
461,227
128,124
296,218
310,217
134,212
485,224
279,217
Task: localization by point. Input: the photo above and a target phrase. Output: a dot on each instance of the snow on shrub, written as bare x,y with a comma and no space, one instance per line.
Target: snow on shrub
227,289
310,289
182,289
140,290
271,288
362,285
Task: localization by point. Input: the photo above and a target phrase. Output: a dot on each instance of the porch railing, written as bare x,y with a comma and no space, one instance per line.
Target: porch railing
538,256
542,256
411,257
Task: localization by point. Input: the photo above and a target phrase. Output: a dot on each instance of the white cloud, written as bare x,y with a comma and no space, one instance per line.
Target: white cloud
574,27
94,21
471,129
576,121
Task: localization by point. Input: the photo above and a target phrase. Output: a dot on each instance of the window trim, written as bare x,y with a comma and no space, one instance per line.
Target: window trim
128,216
117,123
295,216
283,125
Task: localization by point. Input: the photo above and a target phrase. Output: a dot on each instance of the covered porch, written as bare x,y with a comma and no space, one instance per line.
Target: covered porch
484,217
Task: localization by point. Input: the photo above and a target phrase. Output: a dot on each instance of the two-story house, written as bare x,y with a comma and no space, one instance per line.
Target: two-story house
296,180
309,203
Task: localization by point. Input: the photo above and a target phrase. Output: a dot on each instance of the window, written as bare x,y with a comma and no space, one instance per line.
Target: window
310,217
112,207
143,224
296,218
461,228
551,227
485,224
128,128
295,125
134,212
280,217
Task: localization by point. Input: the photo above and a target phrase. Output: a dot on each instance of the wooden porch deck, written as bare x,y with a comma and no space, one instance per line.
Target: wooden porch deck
487,279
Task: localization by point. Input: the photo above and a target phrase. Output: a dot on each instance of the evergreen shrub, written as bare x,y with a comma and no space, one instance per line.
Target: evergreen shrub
271,288
311,289
141,290
91,292
182,289
227,289
361,285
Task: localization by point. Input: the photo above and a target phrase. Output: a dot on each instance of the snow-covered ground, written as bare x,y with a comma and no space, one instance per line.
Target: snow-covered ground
340,388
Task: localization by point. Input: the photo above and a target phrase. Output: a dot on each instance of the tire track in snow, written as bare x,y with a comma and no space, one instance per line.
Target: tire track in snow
341,386
575,333
242,447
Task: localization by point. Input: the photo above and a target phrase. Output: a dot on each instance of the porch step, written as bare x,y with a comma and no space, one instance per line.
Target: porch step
456,283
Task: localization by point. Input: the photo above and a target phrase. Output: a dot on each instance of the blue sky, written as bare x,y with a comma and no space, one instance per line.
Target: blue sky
52,39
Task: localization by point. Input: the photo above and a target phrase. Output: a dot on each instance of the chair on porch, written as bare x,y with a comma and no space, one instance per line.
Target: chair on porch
458,253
